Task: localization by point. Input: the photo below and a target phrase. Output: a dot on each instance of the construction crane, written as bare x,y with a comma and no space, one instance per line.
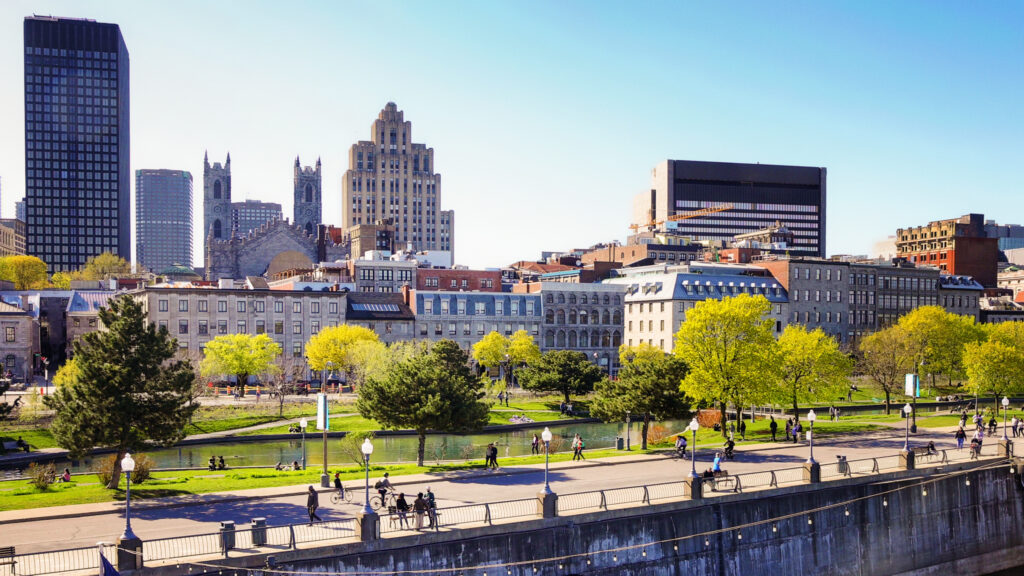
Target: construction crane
683,216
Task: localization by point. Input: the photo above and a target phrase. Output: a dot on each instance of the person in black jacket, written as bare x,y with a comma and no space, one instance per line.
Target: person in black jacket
312,503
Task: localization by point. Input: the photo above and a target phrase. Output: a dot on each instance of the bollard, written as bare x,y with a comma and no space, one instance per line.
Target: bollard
227,536
259,531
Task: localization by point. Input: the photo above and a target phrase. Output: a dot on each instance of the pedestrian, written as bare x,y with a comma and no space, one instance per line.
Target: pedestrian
575,447
773,426
568,409
494,457
257,394
431,507
501,397
312,503
743,430
963,419
580,446
681,445
797,428
535,445
561,407
419,506
732,428
789,428
487,456
506,398
402,507
960,436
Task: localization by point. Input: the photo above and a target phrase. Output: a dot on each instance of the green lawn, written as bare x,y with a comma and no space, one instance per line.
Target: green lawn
36,437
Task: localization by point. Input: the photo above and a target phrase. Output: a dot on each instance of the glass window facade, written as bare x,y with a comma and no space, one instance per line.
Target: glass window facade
163,218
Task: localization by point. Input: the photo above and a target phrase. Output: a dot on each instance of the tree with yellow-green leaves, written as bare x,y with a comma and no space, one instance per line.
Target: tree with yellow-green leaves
25,272
937,339
515,352
67,374
887,356
995,365
339,348
730,352
103,266
240,355
60,280
811,367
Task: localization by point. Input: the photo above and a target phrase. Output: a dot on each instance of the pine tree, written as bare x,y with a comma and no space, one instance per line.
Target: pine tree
130,391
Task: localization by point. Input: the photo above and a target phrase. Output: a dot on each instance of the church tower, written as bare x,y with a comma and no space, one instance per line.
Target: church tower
216,200
307,205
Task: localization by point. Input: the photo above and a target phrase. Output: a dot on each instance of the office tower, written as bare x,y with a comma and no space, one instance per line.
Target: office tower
77,180
163,218
391,179
735,199
19,210
307,207
252,214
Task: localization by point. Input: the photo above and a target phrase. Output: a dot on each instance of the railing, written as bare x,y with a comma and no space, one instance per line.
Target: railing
251,540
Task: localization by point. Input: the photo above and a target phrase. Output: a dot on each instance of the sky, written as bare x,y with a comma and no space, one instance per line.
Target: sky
546,118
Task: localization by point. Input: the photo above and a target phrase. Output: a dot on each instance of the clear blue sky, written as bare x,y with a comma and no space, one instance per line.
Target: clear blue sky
547,117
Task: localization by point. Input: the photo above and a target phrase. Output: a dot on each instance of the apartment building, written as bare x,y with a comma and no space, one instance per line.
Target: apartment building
466,317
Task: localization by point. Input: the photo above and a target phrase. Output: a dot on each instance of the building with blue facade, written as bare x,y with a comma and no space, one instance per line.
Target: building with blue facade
466,317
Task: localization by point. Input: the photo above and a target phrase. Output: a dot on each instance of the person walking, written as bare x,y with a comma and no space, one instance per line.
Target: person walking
743,430
312,503
494,457
431,507
575,447
535,445
579,447
419,507
797,428
789,428
773,426
960,436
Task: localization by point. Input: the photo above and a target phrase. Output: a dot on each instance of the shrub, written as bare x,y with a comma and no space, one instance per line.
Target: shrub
657,433
708,418
351,444
41,476
104,467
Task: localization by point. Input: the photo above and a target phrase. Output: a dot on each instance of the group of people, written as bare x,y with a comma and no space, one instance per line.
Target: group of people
294,466
520,419
217,463
424,506
577,448
491,457
503,397
565,408
1017,427
961,435
833,413
793,429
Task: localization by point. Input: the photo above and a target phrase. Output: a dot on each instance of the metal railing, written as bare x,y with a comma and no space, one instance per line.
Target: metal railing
76,560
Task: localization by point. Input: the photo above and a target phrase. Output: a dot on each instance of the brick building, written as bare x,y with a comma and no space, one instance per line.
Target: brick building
458,280
958,246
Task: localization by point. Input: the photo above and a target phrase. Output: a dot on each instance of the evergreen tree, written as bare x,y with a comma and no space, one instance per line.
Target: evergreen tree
430,389
564,371
129,392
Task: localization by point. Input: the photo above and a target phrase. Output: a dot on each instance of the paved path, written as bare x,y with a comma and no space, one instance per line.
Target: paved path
45,529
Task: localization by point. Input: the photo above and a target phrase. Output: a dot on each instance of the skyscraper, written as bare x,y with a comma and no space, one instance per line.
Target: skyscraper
77,180
163,218
252,214
391,178
19,210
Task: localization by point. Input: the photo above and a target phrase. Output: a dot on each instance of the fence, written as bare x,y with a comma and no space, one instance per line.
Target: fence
253,540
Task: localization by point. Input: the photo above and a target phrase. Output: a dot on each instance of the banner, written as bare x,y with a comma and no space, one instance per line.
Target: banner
912,386
322,421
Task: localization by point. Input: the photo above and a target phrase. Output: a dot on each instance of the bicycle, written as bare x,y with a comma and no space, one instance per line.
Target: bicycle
390,501
338,498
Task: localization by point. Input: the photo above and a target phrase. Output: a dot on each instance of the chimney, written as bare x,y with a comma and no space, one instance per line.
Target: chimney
406,294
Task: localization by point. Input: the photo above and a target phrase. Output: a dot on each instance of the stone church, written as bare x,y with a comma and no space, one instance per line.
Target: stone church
276,245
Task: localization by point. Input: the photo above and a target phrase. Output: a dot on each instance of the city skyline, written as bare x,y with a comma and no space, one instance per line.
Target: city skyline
547,120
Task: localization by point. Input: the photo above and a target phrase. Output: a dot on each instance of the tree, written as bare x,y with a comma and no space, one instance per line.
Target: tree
522,350
564,371
334,346
25,272
130,391
937,339
490,350
994,367
887,356
68,374
240,355
513,353
5,408
103,266
648,386
432,389
811,366
60,280
730,351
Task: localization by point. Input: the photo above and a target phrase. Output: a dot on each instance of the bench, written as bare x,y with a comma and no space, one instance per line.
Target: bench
7,557
922,452
722,480
12,446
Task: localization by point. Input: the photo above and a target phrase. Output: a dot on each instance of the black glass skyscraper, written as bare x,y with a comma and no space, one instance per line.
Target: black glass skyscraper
163,218
77,177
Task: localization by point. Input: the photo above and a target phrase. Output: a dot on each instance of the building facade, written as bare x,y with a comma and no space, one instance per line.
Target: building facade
307,197
19,340
466,317
217,217
77,180
757,195
958,246
817,292
458,280
390,177
19,210
251,215
383,276
12,236
960,295
163,218
83,315
388,315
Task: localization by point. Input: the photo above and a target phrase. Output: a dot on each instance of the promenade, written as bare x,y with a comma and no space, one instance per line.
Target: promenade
57,528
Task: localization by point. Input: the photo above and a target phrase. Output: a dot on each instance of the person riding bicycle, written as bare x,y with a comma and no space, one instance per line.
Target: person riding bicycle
729,446
382,486
337,484
681,446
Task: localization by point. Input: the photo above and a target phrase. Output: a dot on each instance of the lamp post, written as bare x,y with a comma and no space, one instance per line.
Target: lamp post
1006,404
129,546
546,437
367,449
627,430
302,426
694,426
907,410
811,417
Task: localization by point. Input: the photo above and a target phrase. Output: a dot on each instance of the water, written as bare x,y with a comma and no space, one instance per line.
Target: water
389,449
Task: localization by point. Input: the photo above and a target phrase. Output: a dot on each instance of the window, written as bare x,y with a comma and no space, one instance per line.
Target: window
444,306
314,327
314,307
515,307
203,306
297,350
279,327
332,307
77,322
451,327
461,306
182,305
258,305
296,327
480,308
240,306
222,305
279,306
161,305
428,306
204,327
529,308
222,326
366,274
297,307
499,307
9,333
261,327
241,327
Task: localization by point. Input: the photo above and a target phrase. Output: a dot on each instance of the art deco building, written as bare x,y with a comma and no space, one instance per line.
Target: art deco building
390,177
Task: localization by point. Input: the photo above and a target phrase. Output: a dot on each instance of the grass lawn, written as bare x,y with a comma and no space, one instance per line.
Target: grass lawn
36,437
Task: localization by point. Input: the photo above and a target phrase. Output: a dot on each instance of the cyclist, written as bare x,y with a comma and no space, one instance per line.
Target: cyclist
681,446
382,486
337,484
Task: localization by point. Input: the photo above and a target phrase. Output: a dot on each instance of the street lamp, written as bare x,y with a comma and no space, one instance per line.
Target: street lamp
1006,404
810,436
302,426
128,465
906,412
694,426
627,430
546,437
367,449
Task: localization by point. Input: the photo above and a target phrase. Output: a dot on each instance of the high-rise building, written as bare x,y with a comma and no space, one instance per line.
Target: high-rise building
216,200
390,177
19,210
307,207
737,199
251,214
163,218
77,179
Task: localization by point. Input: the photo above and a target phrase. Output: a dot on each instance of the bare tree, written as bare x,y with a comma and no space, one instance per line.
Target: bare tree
290,370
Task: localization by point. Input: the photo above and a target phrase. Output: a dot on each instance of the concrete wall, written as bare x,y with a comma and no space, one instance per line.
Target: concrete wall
955,528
